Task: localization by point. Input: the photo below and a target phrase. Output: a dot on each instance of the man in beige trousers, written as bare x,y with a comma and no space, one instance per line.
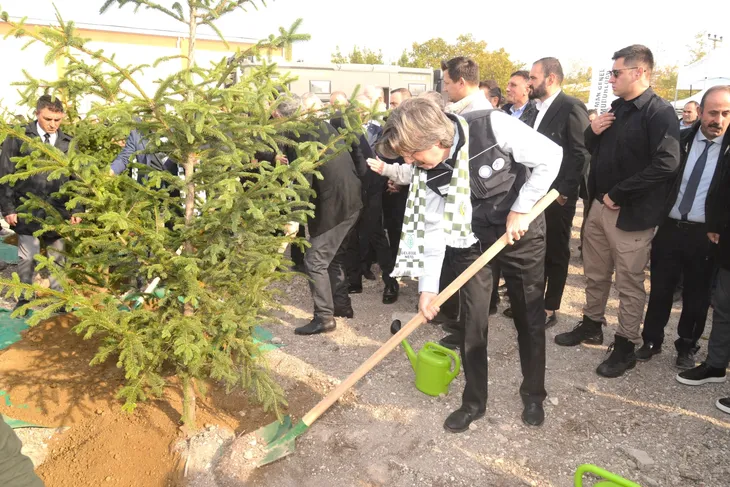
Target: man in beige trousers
635,156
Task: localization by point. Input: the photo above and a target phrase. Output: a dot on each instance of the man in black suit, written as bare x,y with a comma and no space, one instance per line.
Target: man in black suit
562,119
337,206
519,104
50,114
680,245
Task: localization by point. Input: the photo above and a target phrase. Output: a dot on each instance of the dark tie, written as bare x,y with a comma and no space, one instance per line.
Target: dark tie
685,206
47,138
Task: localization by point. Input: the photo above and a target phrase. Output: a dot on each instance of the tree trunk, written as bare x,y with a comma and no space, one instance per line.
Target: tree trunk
189,166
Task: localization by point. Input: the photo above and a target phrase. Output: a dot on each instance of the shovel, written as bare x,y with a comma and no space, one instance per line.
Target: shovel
278,438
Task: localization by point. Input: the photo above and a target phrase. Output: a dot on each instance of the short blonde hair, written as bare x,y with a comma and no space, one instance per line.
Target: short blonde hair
416,125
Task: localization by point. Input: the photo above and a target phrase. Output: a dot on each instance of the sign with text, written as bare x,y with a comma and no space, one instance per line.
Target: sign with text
601,94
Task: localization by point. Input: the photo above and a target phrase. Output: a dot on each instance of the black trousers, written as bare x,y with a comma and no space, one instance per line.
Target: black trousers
297,254
324,264
559,223
522,267
394,208
679,249
366,235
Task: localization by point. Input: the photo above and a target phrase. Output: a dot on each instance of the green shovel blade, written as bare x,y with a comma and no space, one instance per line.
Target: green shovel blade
279,438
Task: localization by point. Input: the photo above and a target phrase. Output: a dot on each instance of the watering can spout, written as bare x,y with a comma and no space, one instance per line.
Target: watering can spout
394,328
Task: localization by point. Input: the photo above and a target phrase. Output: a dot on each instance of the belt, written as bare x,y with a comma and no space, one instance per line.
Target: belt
685,224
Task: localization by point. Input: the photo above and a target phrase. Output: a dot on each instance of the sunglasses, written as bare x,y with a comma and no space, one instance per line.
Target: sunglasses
617,72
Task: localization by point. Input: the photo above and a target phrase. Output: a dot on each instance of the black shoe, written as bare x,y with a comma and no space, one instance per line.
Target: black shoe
459,420
492,310
647,351
551,320
587,331
686,350
702,374
621,358
298,268
444,319
723,404
20,304
685,360
368,274
390,293
452,341
508,312
533,414
354,289
317,325
344,312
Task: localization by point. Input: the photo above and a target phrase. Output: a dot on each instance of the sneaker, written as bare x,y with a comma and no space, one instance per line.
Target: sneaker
723,404
621,358
647,351
586,331
702,374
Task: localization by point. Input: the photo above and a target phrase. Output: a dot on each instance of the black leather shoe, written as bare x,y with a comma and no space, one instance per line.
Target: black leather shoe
459,420
317,325
354,289
390,294
647,351
451,342
508,312
344,312
587,331
368,274
533,414
551,320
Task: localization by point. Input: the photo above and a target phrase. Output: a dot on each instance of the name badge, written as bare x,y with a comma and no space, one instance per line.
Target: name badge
498,164
485,172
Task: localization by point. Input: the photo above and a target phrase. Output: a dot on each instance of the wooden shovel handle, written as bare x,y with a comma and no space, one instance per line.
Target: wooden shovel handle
419,319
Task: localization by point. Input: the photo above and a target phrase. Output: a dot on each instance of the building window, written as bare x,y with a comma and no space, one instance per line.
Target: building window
416,88
320,87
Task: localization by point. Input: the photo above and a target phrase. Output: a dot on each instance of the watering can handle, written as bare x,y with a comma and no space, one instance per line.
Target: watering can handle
454,357
419,319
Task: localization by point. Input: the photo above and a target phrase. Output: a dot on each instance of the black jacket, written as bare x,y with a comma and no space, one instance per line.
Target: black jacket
564,123
338,192
528,115
718,204
360,151
644,159
39,185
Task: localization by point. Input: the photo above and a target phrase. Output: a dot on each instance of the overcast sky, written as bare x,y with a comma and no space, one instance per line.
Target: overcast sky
575,31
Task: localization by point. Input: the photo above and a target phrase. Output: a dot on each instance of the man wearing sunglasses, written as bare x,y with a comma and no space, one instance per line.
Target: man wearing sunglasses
635,157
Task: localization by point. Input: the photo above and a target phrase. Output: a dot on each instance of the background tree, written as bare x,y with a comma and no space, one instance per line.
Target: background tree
577,82
699,47
212,236
357,56
495,65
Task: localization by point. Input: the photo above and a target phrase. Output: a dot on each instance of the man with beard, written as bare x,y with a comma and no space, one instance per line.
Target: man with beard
635,156
562,119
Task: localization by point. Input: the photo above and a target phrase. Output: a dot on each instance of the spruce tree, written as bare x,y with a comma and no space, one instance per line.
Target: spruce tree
210,235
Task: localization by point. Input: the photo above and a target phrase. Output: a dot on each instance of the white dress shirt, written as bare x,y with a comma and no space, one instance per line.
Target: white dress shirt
528,148
42,134
697,213
542,108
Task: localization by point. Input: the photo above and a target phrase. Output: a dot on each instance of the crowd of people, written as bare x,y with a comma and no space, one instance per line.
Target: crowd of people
425,192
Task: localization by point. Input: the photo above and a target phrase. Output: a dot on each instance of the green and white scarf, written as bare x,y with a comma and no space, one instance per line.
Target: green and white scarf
456,218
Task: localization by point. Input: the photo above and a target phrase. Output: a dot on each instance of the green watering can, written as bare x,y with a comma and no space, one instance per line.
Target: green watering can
433,365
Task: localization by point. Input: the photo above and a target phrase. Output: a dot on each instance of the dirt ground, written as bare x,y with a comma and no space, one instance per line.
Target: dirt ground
644,425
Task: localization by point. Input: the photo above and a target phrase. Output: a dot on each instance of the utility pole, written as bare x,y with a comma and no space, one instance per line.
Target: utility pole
714,39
